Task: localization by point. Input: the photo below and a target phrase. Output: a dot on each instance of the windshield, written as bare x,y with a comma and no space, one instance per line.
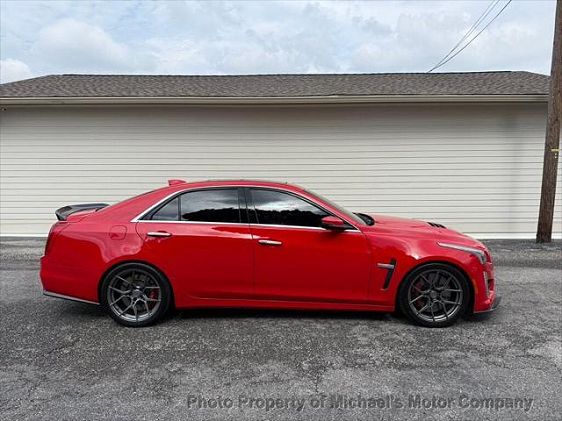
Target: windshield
352,216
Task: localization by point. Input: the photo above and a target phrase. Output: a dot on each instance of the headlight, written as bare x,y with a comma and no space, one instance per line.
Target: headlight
478,253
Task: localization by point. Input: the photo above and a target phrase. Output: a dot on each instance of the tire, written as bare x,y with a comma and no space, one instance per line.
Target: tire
135,295
434,295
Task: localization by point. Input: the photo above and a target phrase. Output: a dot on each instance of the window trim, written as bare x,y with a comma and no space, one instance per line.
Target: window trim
244,188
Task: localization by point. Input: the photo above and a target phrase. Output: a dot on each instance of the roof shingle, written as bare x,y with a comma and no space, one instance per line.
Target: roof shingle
282,86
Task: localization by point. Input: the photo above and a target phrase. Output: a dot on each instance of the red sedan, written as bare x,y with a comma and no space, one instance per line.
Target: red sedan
263,245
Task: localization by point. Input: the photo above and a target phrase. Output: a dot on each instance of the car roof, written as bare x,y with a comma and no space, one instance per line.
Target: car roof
236,182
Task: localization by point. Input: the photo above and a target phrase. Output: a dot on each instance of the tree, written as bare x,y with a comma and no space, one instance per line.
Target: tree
552,140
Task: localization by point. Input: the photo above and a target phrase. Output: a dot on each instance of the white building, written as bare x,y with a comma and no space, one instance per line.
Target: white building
462,149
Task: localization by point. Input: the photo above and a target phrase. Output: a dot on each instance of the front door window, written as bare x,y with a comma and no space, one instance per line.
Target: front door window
278,208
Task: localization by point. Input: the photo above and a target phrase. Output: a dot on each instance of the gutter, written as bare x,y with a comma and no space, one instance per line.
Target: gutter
334,99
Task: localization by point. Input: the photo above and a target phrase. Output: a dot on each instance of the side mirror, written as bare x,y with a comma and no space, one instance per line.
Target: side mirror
334,223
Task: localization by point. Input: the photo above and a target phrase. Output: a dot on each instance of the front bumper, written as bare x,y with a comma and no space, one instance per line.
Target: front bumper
494,305
485,288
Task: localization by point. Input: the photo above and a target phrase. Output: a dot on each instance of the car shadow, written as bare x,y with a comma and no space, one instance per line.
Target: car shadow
243,313
480,317
74,310
69,309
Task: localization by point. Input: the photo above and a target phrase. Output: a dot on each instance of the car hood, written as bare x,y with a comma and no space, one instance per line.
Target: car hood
419,228
387,221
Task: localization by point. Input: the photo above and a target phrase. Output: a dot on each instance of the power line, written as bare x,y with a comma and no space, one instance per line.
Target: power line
491,6
476,36
443,62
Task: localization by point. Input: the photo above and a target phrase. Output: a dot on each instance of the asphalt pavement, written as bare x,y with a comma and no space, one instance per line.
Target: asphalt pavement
66,360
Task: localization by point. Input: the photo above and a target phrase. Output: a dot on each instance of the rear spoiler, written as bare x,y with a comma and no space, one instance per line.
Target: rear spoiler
66,211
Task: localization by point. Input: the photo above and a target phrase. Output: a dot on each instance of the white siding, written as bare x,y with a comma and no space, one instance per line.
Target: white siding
476,168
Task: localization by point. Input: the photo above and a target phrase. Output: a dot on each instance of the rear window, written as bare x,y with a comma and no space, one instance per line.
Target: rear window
129,199
168,212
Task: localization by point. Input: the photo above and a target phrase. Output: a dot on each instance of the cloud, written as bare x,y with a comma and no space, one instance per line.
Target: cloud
297,37
256,38
175,37
11,70
80,46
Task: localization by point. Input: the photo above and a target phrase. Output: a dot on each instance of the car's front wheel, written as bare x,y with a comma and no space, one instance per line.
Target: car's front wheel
434,295
135,294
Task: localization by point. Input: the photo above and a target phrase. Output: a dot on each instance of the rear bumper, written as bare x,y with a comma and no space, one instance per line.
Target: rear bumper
65,281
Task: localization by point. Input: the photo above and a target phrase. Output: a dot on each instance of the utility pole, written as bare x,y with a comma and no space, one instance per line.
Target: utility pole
552,140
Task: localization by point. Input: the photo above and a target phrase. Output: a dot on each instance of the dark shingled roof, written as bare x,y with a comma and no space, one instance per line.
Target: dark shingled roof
304,85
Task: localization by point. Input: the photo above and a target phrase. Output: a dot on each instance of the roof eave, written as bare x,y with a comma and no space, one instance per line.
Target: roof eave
335,99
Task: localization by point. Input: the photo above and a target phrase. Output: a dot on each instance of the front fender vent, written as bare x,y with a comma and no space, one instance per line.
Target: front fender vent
436,225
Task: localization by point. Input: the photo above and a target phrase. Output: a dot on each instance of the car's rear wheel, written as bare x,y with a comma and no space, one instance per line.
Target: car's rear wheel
135,295
434,295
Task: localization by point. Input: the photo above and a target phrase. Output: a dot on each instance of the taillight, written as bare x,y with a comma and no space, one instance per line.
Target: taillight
55,229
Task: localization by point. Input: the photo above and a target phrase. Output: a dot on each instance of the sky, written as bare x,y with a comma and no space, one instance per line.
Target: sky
258,37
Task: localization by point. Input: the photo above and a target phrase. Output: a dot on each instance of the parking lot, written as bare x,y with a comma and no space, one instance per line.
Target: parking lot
66,360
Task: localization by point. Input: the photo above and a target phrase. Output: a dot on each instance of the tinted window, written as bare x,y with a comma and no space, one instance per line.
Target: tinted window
168,212
210,206
350,215
285,209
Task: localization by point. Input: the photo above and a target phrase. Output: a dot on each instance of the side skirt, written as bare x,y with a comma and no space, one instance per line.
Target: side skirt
278,304
66,297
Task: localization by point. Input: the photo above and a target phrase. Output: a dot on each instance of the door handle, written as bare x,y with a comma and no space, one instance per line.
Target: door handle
270,243
158,234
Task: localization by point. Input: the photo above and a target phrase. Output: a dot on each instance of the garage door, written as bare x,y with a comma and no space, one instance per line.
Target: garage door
476,168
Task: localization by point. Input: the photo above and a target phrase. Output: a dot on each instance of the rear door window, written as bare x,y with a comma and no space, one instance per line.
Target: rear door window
217,205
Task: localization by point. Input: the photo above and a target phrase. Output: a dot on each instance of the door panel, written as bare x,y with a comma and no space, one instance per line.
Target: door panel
205,260
296,259
310,264
199,240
